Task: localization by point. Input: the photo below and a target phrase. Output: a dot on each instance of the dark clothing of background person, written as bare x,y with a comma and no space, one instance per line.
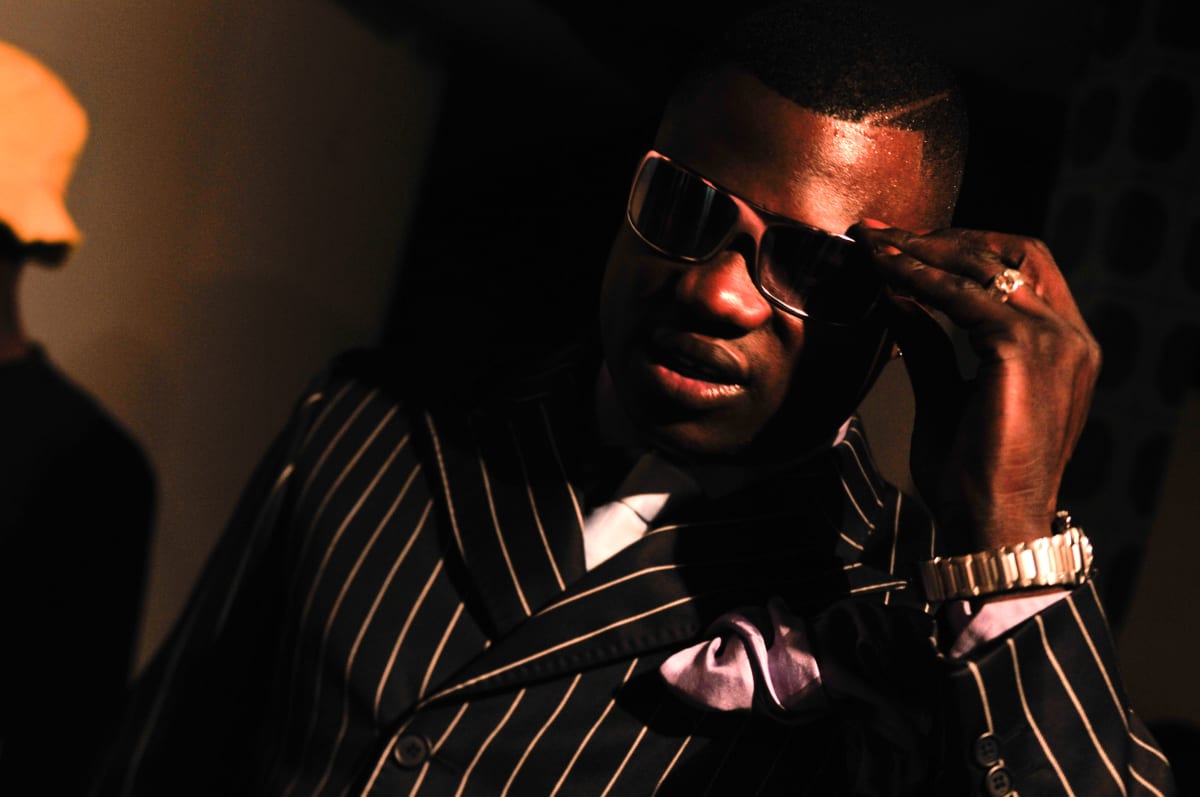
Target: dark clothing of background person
76,509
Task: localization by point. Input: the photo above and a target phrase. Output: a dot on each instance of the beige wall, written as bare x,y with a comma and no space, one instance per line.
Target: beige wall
243,198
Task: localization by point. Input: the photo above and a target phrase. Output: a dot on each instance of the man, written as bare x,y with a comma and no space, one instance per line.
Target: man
76,492
442,597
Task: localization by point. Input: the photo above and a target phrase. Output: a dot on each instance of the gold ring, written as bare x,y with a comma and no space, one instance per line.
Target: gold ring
1005,284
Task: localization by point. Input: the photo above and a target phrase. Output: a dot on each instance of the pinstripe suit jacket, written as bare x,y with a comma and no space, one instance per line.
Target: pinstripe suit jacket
400,607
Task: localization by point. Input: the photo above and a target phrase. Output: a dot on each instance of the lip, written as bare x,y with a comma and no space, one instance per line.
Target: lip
698,357
695,371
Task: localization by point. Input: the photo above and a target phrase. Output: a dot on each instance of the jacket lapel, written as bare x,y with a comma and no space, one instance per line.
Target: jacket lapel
781,537
509,482
505,494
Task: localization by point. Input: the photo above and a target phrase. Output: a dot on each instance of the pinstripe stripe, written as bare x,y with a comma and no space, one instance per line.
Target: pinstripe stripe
383,756
877,587
387,672
849,541
331,617
316,517
1087,723
541,732
487,488
362,629
671,764
932,550
1037,731
636,743
866,477
895,539
434,749
341,529
606,585
437,450
446,733
857,508
559,646
1143,781
325,411
561,469
1096,657
983,697
537,515
1150,748
437,622
462,784
437,653
624,761
591,732
312,475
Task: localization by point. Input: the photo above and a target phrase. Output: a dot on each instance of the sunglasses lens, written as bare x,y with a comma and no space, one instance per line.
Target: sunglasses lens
822,276
678,213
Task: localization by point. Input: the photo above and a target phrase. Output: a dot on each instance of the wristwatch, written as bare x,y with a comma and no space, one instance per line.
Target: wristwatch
1061,559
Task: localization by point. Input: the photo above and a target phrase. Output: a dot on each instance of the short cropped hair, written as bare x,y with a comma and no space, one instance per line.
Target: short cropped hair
851,60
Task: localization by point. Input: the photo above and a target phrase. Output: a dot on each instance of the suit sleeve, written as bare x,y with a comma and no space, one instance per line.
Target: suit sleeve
186,718
1042,711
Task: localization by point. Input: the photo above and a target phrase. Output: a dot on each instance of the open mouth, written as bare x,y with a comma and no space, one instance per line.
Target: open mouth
694,371
697,358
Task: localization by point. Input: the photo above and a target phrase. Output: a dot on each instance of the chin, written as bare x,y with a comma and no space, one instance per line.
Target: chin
695,438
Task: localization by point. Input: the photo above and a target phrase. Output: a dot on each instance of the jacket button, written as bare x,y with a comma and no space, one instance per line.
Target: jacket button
410,750
997,782
987,750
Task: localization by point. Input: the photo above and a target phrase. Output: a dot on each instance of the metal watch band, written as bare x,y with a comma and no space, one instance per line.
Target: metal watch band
1063,559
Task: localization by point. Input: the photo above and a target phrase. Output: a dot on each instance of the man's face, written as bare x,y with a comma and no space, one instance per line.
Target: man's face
703,365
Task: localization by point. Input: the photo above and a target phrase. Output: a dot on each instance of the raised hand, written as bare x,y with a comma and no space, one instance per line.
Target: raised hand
988,453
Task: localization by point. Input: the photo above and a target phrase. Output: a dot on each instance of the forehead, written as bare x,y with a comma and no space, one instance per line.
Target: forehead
823,171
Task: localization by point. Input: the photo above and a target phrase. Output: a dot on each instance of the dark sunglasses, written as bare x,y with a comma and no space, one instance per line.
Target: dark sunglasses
800,269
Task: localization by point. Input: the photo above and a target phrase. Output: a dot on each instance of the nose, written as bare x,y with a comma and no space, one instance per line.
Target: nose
720,290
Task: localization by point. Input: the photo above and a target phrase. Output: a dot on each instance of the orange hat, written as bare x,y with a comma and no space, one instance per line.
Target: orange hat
42,130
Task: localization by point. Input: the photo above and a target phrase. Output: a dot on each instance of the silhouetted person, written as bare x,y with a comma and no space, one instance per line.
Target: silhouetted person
76,492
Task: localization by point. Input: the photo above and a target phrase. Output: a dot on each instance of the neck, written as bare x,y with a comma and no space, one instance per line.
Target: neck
13,344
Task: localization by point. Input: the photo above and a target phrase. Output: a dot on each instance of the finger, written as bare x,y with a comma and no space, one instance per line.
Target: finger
963,299
982,255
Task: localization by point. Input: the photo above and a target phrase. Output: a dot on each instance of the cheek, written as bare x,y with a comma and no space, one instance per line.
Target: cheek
779,360
631,275
789,337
